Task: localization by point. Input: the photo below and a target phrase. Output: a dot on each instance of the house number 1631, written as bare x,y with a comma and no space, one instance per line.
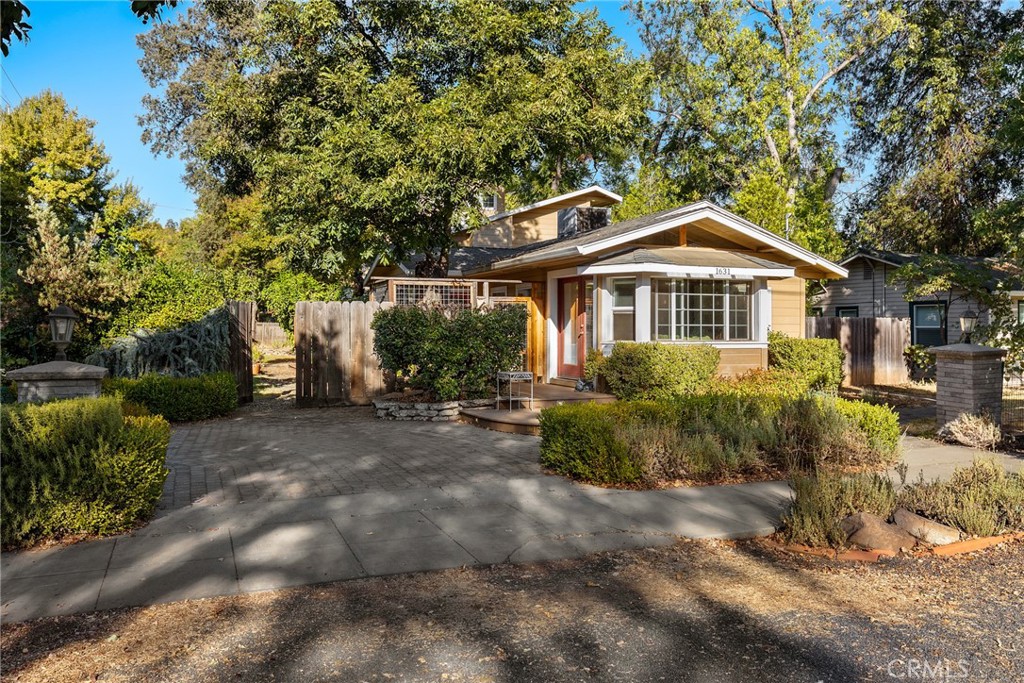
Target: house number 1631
722,272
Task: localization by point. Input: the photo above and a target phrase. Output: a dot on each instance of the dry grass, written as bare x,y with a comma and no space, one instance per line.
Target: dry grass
975,431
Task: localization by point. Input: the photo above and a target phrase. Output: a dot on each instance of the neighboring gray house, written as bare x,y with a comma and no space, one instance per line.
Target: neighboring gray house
865,293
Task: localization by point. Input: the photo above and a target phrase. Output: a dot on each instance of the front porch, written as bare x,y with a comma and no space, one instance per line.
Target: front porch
521,415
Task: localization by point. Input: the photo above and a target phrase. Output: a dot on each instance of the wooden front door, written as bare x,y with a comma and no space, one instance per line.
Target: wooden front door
574,298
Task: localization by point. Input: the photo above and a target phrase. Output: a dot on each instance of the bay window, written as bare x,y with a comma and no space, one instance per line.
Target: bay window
701,310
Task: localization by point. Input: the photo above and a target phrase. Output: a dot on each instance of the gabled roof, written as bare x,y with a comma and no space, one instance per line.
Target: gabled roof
602,196
1002,272
621,233
892,258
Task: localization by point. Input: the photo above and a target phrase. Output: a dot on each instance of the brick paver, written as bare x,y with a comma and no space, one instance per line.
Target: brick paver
290,454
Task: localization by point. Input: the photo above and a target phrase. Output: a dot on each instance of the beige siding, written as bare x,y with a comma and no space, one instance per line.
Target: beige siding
738,361
788,306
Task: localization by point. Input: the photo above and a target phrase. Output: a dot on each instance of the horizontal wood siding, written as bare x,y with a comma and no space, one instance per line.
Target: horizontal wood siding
873,347
788,306
271,335
738,361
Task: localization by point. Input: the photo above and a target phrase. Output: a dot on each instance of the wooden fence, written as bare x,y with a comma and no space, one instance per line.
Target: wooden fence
334,359
873,346
241,325
271,336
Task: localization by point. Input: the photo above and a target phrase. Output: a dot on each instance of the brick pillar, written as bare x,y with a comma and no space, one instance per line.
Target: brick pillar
969,379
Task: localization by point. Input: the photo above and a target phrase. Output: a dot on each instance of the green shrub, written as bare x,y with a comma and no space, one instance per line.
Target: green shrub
279,297
450,354
980,500
712,435
179,399
77,466
820,361
579,440
822,501
650,371
773,384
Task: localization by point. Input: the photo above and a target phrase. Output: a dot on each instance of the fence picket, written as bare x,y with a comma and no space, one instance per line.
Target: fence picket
873,346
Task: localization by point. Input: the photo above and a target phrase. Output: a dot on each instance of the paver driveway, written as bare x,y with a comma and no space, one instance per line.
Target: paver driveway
290,454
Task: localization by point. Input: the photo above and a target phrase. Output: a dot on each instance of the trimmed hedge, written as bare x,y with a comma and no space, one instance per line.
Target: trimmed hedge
78,466
714,435
649,371
179,399
819,361
450,354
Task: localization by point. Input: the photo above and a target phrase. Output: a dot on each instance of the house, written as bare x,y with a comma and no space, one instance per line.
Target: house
693,274
867,293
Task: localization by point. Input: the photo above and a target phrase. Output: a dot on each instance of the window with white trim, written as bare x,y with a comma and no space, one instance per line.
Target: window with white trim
701,310
623,291
489,201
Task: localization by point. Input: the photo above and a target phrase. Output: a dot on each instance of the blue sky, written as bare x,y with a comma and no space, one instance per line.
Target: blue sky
86,51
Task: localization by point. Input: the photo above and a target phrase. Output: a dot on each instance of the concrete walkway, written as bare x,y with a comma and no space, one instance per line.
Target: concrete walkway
203,551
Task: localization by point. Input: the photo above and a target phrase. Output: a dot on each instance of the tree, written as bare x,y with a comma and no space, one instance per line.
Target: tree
371,127
933,112
744,97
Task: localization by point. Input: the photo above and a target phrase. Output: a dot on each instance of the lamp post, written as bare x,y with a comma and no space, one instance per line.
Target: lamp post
62,324
968,321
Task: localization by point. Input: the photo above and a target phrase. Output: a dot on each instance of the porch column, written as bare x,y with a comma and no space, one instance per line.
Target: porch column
604,313
642,308
762,309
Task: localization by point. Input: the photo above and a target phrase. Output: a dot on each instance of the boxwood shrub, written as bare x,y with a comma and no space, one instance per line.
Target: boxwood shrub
179,399
714,436
649,371
77,466
819,361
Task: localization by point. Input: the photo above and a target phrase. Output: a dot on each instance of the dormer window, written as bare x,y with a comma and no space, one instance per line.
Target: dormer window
489,202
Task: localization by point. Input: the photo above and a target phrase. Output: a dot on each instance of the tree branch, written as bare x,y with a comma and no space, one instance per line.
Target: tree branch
829,75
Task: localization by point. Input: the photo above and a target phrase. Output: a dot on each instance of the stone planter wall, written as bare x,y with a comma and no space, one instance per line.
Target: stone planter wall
444,411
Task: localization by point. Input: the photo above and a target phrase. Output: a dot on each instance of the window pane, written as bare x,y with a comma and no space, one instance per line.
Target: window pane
928,336
623,326
623,292
928,316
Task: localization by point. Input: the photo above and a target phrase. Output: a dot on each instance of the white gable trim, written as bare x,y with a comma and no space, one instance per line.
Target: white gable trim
560,198
703,272
703,210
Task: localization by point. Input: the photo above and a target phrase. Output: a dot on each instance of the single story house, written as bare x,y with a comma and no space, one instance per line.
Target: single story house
867,293
689,275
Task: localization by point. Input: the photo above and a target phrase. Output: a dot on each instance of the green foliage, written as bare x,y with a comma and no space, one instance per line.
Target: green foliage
77,466
174,293
191,350
934,110
280,296
179,399
821,501
711,436
370,127
818,360
579,441
652,371
980,500
920,363
450,354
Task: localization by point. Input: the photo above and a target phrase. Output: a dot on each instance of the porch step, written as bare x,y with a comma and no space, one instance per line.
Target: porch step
509,421
538,403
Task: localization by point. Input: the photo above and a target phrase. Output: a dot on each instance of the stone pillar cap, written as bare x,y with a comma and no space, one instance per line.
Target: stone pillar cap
58,369
967,350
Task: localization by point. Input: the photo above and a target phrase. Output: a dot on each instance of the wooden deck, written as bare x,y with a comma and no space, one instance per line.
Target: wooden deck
522,416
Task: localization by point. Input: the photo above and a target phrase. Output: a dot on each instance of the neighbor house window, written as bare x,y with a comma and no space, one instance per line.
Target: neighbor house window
1020,312
489,201
623,308
847,312
926,323
701,310
817,312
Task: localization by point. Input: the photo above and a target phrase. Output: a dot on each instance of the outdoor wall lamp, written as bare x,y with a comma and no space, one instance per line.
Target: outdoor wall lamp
968,321
62,324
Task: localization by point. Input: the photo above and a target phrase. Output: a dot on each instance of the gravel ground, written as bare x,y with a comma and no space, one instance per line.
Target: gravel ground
696,611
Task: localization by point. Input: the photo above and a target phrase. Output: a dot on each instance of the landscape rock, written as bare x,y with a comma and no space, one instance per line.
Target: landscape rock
872,532
925,529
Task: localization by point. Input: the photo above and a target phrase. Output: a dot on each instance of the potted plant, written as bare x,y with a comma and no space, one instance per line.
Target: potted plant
258,357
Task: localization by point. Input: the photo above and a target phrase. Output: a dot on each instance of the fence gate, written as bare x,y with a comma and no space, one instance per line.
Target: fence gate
1013,401
241,328
873,347
334,359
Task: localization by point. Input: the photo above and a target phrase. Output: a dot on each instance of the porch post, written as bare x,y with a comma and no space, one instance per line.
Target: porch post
604,312
642,308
